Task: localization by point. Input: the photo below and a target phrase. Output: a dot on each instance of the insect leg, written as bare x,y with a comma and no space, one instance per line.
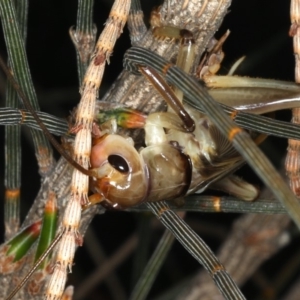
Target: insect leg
293,156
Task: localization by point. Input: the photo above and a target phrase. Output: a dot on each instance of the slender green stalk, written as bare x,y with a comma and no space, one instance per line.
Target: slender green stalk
48,228
13,147
22,242
12,179
20,68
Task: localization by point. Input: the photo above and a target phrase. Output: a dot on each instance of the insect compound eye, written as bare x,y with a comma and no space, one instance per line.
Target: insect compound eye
119,163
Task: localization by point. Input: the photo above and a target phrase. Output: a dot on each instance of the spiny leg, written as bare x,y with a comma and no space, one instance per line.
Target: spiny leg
255,95
292,163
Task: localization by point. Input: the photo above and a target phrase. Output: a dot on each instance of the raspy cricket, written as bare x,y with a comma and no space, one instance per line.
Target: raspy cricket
190,147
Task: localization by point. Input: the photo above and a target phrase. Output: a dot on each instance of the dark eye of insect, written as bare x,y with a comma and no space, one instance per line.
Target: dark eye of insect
119,163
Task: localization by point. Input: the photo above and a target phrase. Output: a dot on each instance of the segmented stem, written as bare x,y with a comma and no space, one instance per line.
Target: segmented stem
197,248
224,204
13,148
20,68
11,116
84,36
